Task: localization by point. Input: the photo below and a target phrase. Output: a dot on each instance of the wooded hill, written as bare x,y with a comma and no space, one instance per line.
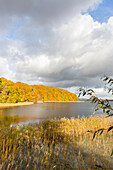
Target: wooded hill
11,92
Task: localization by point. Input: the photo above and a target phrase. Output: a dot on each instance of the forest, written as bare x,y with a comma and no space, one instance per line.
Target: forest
11,92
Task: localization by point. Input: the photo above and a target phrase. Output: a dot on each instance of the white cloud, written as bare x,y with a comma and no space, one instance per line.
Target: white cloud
14,14
67,56
87,52
54,44
99,92
45,9
4,69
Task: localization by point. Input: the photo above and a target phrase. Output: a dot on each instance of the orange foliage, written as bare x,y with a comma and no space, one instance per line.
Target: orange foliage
21,92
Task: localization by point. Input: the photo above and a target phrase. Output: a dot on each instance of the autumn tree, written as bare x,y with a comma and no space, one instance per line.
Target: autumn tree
21,92
0,89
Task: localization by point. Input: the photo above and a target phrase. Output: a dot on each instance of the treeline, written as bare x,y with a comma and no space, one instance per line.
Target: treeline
11,92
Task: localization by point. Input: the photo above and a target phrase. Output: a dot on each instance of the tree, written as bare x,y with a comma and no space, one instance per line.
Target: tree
0,89
101,103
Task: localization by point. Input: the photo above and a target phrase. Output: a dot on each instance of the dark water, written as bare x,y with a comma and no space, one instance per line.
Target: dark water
43,111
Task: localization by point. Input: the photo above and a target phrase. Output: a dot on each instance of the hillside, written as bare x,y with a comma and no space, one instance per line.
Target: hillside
11,92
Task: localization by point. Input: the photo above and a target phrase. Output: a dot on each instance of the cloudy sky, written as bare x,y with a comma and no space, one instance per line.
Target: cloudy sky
60,43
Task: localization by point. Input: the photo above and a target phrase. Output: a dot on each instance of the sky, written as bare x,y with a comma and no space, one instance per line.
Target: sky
60,43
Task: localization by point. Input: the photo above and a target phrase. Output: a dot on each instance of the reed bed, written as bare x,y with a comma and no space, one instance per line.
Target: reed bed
57,144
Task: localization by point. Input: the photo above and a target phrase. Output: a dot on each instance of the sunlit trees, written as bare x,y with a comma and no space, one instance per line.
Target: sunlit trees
0,89
21,92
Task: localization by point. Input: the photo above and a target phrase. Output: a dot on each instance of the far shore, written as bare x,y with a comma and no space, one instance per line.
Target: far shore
3,105
61,101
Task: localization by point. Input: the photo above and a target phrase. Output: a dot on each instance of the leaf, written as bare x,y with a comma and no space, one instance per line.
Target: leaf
101,132
99,166
110,128
110,81
89,131
109,90
108,111
79,95
106,78
112,153
96,109
90,90
84,92
96,132
89,94
109,115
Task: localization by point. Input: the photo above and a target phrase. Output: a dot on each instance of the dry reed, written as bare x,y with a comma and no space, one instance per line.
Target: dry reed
57,144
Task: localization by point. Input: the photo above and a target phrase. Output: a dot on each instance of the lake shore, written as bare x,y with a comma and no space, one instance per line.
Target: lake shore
3,105
60,101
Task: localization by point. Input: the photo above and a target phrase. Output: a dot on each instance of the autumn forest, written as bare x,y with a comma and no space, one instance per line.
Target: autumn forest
11,92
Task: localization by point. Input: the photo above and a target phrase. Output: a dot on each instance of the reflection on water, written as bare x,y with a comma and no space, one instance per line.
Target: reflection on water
44,111
6,120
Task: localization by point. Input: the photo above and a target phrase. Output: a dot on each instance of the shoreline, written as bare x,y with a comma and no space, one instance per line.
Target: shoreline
60,101
5,105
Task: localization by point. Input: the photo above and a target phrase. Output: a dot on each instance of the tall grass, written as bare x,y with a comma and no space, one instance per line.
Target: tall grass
57,144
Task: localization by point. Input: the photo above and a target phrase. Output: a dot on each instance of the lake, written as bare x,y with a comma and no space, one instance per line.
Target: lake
45,111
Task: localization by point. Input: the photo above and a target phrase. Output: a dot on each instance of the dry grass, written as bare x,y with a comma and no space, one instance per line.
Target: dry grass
57,144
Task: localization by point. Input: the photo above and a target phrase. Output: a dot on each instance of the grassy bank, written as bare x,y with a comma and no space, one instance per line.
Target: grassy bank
57,144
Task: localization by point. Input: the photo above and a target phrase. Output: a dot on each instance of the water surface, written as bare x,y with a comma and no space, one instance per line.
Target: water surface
43,111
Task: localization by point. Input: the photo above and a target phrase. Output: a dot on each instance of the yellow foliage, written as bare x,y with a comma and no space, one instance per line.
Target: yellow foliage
22,92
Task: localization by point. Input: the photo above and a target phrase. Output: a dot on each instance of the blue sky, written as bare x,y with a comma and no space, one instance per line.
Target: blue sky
103,11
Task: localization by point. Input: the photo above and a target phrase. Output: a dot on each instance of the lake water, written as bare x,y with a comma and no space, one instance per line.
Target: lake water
44,111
